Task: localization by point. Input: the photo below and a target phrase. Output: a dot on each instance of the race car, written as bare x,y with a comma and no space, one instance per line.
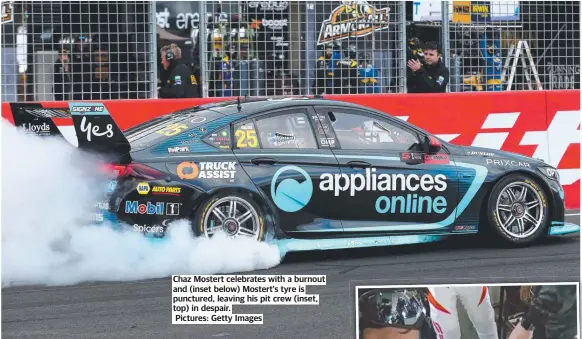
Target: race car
310,173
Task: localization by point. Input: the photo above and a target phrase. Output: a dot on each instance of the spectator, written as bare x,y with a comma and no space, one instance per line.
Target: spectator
179,82
430,76
62,76
81,65
491,54
552,314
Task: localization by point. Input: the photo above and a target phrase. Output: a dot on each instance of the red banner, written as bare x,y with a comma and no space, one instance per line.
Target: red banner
540,124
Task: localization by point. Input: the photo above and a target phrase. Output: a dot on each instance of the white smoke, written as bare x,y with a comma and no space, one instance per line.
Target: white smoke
49,187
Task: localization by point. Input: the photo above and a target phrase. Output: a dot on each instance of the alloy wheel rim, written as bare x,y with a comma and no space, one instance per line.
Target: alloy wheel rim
519,210
234,217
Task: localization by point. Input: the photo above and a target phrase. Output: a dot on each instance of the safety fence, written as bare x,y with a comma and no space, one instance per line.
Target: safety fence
539,124
66,50
71,50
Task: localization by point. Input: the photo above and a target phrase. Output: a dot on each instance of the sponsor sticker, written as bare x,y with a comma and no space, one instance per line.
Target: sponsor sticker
179,149
178,80
143,188
411,157
206,170
436,159
149,208
328,142
40,129
102,205
465,228
484,154
173,208
166,190
507,163
280,139
406,193
148,229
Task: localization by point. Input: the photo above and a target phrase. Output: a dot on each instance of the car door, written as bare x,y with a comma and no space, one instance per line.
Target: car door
387,183
280,153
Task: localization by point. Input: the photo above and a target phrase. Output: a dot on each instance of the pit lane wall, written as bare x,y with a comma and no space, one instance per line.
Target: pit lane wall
540,124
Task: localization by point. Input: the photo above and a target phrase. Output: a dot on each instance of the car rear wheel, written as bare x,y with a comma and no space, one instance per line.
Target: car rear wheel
518,210
231,214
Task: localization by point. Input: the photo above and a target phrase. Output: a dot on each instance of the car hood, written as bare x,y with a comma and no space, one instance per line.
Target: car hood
504,154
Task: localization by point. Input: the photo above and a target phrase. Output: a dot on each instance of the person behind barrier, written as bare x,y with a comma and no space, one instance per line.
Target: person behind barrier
179,82
81,68
325,71
346,73
62,76
552,314
368,75
394,314
491,54
432,76
226,70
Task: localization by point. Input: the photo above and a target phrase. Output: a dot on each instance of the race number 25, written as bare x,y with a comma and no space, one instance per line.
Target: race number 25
246,138
172,129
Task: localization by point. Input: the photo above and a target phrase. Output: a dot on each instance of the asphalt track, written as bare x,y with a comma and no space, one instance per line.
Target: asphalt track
142,309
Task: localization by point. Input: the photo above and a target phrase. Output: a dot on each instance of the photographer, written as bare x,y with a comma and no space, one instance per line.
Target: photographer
179,81
430,76
552,314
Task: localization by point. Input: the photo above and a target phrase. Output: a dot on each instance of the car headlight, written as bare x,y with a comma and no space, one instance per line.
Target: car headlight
551,173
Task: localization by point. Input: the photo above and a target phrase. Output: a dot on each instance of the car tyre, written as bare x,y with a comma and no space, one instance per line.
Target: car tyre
234,224
517,217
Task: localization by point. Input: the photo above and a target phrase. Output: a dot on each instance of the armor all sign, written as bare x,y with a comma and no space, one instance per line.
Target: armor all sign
352,19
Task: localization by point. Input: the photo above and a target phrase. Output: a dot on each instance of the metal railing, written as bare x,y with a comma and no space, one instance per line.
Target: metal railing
70,50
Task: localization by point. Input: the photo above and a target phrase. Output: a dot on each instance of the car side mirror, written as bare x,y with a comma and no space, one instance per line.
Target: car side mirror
431,145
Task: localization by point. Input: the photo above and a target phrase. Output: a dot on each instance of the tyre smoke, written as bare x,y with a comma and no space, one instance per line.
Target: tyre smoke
48,195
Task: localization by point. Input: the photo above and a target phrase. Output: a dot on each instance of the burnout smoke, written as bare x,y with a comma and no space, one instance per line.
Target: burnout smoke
49,189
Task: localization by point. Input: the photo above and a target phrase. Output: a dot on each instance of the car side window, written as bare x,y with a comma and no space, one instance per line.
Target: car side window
362,131
283,131
219,139
245,135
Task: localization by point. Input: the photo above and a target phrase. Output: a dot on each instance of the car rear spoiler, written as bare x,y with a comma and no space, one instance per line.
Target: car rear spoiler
86,125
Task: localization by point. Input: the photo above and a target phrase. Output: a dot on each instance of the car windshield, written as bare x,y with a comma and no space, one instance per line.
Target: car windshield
164,127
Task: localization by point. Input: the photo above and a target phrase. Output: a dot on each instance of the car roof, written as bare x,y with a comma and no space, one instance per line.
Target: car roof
251,106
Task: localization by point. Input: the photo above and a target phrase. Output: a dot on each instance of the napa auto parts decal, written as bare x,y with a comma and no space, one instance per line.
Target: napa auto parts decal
353,19
539,124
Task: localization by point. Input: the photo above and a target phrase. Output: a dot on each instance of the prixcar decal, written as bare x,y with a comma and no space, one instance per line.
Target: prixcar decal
193,137
290,195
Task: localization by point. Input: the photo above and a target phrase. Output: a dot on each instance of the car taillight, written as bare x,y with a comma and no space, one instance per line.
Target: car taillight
134,170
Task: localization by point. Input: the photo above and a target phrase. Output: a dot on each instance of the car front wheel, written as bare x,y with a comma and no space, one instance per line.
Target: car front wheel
518,210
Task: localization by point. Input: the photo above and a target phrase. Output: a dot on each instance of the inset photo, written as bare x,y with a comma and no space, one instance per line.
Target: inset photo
495,311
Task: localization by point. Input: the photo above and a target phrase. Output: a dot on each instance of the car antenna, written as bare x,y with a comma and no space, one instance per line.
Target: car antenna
238,106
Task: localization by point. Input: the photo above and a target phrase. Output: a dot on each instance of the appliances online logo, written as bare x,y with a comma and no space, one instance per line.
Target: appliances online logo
291,196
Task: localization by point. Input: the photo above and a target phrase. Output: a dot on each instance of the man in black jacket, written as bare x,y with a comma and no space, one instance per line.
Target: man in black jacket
179,81
430,76
552,311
